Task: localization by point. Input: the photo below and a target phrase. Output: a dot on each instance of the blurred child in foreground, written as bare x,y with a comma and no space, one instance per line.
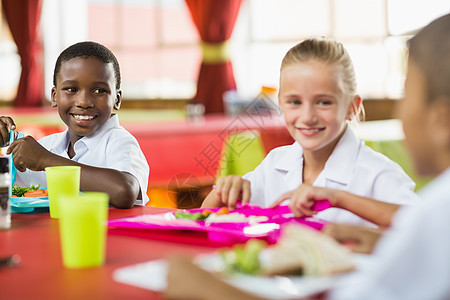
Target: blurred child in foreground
411,261
86,91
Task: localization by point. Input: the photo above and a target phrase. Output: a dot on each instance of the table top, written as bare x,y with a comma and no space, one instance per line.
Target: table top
41,275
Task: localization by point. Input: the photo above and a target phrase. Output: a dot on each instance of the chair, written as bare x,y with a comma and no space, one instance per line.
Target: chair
241,153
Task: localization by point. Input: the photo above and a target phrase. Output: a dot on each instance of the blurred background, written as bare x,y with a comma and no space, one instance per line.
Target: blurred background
173,53
157,42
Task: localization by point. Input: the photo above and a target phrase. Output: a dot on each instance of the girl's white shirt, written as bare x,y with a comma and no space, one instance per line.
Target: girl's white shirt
352,166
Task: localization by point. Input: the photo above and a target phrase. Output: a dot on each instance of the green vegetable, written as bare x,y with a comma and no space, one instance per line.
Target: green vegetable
190,216
19,192
244,258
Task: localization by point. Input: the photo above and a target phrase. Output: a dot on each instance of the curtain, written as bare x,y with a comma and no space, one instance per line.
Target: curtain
23,18
214,20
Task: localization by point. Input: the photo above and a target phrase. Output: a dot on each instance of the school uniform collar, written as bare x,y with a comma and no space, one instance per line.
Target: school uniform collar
91,140
291,160
338,167
61,143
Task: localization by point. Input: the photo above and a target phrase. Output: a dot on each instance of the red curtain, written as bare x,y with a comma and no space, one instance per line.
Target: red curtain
23,18
214,20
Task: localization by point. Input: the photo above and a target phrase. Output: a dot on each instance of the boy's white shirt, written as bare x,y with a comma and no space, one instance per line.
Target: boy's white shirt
411,261
111,146
353,167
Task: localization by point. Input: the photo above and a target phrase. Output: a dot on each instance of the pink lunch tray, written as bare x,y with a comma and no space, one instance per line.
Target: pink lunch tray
167,227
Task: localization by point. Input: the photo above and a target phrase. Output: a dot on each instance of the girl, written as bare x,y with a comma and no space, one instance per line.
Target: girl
318,98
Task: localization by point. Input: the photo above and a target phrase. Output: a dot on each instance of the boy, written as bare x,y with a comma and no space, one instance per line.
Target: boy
86,91
412,259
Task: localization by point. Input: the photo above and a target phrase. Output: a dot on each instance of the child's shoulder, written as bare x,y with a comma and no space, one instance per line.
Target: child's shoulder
377,160
283,150
53,138
285,154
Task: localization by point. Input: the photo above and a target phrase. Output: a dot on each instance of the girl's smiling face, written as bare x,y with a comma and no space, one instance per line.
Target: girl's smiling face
314,104
85,94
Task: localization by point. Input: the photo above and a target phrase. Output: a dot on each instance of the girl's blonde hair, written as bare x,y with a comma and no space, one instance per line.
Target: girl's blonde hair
327,51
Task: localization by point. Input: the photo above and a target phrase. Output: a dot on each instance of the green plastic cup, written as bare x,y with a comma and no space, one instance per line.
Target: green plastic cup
61,180
83,230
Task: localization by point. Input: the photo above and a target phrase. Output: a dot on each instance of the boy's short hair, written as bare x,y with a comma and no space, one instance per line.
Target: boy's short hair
86,49
430,50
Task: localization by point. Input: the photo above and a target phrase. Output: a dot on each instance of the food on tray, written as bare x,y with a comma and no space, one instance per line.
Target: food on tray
200,215
300,250
36,193
244,258
222,215
235,218
30,191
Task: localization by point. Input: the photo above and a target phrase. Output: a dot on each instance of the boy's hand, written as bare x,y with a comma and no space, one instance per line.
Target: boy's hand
359,239
6,124
28,154
303,198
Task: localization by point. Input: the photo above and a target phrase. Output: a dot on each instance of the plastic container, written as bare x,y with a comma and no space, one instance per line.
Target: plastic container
265,103
5,182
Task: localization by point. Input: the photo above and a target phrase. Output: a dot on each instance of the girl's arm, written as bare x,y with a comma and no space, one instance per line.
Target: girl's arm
123,188
302,199
377,212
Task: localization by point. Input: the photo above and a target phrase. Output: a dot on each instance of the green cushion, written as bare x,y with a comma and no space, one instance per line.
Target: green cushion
242,153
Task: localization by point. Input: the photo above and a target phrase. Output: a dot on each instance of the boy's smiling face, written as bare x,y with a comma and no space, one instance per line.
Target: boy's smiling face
85,94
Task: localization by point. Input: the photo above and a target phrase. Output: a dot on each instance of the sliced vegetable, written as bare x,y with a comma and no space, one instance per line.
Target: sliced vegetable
222,211
244,258
200,215
190,216
19,192
37,193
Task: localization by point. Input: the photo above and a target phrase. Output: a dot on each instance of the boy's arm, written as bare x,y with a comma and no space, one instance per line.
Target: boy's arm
123,188
360,239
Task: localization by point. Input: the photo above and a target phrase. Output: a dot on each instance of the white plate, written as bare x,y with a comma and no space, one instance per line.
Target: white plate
152,275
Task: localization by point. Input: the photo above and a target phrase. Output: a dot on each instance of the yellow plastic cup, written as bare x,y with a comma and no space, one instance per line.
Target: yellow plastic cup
61,180
83,230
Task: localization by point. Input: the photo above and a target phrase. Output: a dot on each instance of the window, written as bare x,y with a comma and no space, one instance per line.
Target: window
373,31
159,54
10,62
155,43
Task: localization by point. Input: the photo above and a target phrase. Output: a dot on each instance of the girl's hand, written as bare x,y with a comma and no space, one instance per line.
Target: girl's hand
6,124
303,198
29,154
229,190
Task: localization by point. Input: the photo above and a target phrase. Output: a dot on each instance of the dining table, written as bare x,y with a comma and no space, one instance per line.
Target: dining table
40,274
